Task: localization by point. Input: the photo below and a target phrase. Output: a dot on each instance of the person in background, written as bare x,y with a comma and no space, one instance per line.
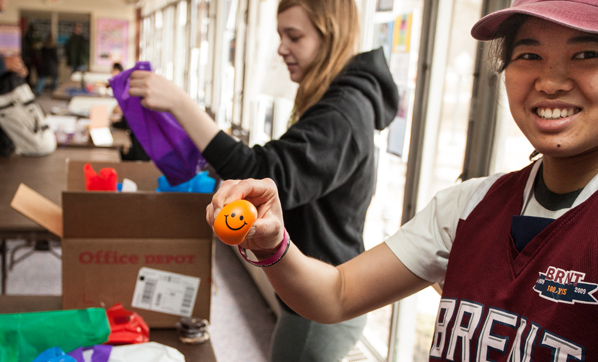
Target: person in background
31,45
324,165
116,68
515,253
49,66
77,49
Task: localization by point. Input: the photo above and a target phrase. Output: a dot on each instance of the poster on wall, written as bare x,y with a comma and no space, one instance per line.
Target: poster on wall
383,38
10,40
112,42
402,33
398,128
400,58
400,61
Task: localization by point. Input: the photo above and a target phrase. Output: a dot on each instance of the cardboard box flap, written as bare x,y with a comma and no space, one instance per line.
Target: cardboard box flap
144,174
38,208
135,215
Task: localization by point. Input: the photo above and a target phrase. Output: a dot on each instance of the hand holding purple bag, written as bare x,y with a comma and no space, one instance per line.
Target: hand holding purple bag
162,137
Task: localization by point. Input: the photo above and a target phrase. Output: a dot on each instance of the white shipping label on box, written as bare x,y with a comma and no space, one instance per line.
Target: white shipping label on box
165,292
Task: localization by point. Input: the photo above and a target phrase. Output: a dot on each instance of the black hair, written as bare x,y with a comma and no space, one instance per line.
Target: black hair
501,49
118,66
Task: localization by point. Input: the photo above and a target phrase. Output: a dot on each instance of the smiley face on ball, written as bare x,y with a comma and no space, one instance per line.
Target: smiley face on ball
234,221
235,218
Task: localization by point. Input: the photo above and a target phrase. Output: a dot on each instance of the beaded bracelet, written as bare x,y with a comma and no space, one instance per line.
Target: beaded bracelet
282,250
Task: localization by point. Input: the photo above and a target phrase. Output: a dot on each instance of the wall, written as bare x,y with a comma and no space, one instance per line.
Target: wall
96,9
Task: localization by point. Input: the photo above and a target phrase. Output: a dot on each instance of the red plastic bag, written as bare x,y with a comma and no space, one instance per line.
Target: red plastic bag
126,327
106,180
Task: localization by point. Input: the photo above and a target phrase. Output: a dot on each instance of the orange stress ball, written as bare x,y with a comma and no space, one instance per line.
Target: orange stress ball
234,221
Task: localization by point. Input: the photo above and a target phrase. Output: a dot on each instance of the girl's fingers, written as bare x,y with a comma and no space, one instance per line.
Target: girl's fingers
268,228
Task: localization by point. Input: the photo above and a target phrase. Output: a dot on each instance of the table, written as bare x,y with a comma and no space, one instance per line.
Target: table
121,141
91,77
47,176
81,105
21,304
70,89
65,124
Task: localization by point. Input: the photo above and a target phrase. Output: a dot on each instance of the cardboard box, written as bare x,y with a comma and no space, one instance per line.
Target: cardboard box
152,252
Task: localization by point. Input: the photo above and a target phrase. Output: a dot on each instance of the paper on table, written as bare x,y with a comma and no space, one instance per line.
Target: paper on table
101,136
58,123
98,126
81,105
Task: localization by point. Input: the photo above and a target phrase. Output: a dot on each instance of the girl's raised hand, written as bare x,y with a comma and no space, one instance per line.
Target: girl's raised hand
268,230
156,92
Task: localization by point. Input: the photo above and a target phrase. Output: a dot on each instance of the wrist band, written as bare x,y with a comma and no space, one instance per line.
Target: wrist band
282,250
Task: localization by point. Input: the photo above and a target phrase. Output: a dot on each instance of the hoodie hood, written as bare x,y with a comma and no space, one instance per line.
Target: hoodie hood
369,73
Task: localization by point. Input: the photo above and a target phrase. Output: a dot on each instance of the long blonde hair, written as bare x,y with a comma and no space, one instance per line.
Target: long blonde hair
338,23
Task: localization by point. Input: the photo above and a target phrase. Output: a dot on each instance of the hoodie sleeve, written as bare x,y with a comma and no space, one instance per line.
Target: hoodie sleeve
309,160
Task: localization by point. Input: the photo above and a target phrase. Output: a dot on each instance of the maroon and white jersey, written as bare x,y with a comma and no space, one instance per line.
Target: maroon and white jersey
539,304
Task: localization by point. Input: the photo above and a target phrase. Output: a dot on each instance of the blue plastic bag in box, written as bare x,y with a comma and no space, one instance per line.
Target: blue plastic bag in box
162,137
201,183
54,354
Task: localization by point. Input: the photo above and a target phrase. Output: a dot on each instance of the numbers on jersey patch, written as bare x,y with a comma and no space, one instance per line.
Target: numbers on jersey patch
565,286
556,290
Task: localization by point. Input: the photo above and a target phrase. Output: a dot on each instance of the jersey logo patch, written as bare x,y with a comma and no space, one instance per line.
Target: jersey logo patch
565,286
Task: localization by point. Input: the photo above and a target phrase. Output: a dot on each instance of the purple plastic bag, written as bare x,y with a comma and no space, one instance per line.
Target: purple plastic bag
101,353
162,137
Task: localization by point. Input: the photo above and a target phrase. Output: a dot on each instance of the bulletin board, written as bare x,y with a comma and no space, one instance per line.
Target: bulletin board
111,41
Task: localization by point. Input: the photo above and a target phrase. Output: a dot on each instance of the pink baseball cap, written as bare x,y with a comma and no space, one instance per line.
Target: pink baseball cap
577,14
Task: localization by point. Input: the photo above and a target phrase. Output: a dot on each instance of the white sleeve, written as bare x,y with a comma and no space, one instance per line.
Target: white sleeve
423,244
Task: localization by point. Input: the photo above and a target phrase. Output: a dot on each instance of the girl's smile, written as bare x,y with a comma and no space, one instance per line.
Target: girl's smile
554,118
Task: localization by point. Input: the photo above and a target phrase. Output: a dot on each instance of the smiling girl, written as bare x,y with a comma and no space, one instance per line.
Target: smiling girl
324,165
516,254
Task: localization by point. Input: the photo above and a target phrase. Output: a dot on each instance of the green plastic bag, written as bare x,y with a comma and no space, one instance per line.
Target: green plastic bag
23,336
